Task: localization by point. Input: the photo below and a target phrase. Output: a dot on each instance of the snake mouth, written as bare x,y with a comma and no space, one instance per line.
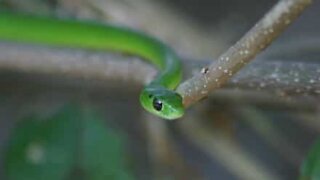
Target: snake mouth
175,115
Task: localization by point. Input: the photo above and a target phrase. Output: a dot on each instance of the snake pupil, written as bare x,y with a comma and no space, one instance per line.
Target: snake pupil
157,104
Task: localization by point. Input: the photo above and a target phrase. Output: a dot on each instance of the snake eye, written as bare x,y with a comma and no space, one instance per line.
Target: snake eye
157,104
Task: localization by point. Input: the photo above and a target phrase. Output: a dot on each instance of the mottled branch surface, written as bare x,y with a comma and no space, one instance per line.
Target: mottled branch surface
236,57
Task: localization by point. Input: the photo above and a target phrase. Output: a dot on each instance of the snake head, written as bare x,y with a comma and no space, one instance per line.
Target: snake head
162,102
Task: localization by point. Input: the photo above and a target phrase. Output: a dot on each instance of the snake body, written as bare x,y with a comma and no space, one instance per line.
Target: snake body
157,97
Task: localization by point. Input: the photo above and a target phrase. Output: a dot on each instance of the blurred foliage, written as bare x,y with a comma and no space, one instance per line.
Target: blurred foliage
71,144
3,4
310,169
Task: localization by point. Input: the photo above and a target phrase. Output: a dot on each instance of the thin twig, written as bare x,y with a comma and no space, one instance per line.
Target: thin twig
226,151
165,158
236,57
264,127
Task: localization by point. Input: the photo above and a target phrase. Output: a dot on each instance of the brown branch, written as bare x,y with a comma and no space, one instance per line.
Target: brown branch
236,57
284,78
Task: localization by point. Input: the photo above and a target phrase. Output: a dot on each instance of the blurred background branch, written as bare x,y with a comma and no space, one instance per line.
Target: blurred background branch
289,80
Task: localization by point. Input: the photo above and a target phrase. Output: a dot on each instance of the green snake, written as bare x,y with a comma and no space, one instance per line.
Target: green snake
158,97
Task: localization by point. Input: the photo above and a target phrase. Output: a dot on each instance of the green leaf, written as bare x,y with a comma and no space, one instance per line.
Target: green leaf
310,169
103,156
43,148
74,143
